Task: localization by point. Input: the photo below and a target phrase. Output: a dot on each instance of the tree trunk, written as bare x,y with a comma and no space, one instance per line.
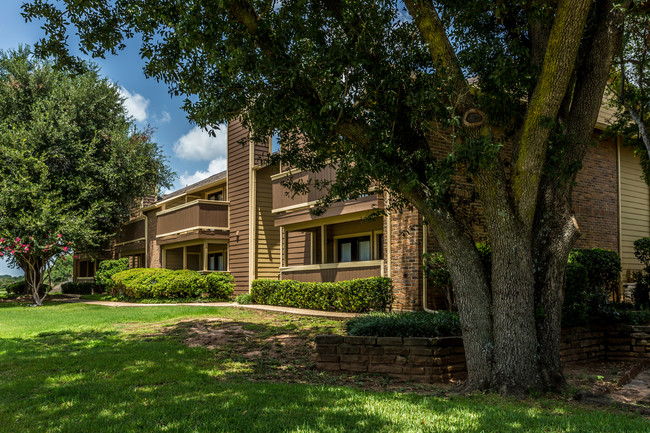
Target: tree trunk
472,294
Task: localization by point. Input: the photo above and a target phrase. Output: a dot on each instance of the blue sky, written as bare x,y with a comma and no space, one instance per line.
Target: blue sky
191,153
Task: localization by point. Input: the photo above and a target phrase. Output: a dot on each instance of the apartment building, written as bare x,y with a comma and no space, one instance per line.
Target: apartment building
242,221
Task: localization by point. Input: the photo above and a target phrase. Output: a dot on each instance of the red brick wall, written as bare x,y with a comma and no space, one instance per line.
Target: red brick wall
406,259
595,198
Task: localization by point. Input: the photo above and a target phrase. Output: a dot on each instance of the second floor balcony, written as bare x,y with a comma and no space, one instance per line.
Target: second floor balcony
199,215
133,231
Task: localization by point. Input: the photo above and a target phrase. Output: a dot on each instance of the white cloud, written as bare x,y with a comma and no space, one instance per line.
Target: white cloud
198,145
165,117
135,104
216,165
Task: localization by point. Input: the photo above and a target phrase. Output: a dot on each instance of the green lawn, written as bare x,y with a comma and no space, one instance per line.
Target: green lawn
80,368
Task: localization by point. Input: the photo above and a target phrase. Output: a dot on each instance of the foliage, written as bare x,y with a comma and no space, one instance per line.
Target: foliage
107,268
71,161
60,272
5,280
575,310
244,299
20,288
221,285
141,283
412,324
435,268
642,288
356,296
72,288
604,269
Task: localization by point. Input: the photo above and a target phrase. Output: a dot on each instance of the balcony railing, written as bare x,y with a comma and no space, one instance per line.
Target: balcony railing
333,272
195,215
131,232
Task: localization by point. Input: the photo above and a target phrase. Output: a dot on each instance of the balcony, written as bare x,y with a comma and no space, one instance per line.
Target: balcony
333,272
133,231
289,209
198,215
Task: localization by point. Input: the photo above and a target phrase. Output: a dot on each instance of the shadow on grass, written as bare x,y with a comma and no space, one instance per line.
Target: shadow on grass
112,382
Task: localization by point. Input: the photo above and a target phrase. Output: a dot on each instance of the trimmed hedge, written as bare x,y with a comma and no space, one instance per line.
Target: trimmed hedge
355,296
142,283
412,324
77,288
107,269
641,292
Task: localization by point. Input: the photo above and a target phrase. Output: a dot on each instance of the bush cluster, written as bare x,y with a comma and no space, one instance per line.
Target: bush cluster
20,288
357,296
641,292
591,281
107,269
412,324
435,269
244,299
79,288
142,283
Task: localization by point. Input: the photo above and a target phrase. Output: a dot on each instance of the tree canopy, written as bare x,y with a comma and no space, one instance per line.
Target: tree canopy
438,103
72,163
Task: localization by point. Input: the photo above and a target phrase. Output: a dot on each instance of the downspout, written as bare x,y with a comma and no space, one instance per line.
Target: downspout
146,240
425,282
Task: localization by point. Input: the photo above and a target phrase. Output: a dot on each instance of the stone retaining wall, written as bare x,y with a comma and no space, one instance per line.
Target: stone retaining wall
438,360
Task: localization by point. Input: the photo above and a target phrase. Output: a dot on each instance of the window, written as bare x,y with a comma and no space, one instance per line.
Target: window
86,269
355,249
216,262
217,196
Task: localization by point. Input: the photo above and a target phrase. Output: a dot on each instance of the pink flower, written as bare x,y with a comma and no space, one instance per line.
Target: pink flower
59,236
2,254
76,256
65,248
2,239
17,240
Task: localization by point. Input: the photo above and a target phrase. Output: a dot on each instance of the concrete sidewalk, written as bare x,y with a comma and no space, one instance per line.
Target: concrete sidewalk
271,308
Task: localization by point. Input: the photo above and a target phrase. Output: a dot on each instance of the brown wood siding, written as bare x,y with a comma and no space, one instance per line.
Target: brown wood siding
268,235
238,193
131,231
200,214
635,211
175,202
281,199
174,258
328,275
363,204
298,248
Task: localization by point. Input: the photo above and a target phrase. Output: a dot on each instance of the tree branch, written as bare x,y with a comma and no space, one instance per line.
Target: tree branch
559,61
442,53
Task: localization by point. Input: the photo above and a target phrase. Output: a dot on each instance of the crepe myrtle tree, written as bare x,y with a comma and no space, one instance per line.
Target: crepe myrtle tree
36,257
433,102
630,84
71,163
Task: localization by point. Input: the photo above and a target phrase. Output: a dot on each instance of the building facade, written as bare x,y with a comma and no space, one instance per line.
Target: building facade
243,221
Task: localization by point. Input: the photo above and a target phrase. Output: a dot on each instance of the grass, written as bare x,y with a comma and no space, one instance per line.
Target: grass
80,368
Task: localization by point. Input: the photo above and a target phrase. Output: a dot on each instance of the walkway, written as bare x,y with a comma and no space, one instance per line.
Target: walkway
273,308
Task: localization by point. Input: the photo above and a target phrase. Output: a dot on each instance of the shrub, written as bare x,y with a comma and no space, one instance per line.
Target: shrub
244,299
144,283
220,285
436,270
77,288
360,295
17,288
575,310
20,288
603,267
641,292
412,324
107,269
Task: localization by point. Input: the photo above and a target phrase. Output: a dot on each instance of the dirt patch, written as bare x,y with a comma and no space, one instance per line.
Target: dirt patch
597,377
